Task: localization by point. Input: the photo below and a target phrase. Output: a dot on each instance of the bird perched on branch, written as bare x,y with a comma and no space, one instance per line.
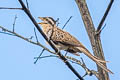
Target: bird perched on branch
65,41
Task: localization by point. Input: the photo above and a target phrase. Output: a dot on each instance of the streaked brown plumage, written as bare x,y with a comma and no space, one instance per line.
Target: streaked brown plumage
64,41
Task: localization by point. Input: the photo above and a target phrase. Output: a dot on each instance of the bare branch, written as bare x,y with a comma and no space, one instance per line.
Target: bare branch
27,4
36,35
98,32
95,40
7,33
82,64
88,72
45,57
57,23
39,56
11,8
66,22
105,15
14,23
26,39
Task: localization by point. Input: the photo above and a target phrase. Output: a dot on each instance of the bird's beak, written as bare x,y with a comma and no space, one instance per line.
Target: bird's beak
41,18
40,23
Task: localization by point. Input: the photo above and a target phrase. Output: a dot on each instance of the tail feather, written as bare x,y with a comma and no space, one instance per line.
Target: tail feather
98,59
103,67
94,58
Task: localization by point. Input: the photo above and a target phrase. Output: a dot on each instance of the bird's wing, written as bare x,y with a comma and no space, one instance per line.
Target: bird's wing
63,37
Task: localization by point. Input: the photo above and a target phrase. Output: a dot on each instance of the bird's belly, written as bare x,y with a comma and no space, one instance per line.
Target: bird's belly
62,47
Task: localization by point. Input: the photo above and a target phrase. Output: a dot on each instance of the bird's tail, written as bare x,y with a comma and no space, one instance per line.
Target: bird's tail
95,59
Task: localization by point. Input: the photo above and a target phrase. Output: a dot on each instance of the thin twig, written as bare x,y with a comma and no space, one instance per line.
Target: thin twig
11,8
27,4
39,56
103,27
66,22
57,20
88,71
36,35
57,23
105,15
26,39
6,33
14,23
45,56
98,32
31,37
82,64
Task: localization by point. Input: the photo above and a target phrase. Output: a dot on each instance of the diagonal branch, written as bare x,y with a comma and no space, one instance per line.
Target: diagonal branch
49,41
95,40
105,15
66,22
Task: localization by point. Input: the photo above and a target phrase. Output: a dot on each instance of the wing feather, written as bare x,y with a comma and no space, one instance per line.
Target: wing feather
63,37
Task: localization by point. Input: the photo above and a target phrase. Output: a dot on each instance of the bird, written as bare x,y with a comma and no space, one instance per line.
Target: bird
65,41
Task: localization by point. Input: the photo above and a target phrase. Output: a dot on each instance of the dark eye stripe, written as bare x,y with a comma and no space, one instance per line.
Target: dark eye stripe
50,20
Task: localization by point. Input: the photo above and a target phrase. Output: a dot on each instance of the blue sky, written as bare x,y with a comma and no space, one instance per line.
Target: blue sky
17,55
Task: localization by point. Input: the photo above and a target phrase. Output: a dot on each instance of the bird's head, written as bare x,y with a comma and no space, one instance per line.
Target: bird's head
47,23
47,20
